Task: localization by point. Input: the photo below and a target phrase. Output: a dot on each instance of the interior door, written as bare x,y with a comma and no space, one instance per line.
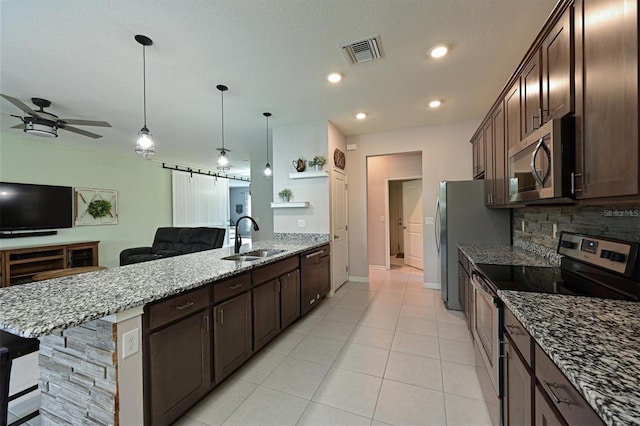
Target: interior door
339,252
413,229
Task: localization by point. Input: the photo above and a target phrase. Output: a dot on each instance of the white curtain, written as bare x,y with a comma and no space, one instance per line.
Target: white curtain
200,200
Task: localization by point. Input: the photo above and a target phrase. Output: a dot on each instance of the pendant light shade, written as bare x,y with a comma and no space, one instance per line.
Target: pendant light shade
267,168
144,143
223,158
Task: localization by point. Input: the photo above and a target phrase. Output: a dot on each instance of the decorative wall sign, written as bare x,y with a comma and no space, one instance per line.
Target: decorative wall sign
338,159
96,206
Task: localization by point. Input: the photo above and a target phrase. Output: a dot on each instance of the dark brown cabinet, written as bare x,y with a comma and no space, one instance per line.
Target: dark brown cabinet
177,351
546,414
495,160
557,69
518,385
530,84
266,313
478,147
489,171
289,298
315,277
232,334
606,98
513,116
465,291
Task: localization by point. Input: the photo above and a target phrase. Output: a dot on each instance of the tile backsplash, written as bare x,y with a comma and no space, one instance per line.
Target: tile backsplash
620,222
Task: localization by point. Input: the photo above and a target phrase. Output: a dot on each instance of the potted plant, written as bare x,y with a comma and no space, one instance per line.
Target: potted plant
99,208
285,194
318,161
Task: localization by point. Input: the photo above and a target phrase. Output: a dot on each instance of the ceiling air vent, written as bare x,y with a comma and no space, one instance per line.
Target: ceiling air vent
364,50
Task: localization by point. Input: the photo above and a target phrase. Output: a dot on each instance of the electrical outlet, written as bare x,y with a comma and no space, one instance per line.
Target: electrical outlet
301,223
523,226
130,343
555,230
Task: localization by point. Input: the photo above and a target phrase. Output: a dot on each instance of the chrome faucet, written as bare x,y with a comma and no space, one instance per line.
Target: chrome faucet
238,237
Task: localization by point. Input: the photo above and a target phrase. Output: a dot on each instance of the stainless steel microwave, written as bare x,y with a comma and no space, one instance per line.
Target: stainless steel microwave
541,166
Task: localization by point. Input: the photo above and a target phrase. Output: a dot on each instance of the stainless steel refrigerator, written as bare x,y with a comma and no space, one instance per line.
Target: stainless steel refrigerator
461,217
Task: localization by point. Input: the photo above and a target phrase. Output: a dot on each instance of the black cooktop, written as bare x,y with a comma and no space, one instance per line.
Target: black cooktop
547,280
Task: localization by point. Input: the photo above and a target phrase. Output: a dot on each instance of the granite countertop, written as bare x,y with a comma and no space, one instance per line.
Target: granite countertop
498,254
38,308
594,342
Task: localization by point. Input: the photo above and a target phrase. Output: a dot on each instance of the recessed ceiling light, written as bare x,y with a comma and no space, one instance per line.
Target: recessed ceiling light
435,104
439,51
334,77
361,115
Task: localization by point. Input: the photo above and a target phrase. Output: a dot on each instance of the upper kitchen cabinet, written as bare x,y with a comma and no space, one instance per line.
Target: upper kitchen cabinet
512,115
489,171
477,143
496,180
606,98
530,84
557,69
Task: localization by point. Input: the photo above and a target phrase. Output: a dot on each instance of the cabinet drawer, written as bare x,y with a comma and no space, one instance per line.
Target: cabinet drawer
178,307
230,287
518,334
563,395
274,270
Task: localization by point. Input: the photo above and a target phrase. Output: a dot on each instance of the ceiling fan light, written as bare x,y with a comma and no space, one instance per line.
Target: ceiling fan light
41,130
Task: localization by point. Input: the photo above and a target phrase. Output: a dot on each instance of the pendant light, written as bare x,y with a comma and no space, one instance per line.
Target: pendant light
267,169
144,143
223,158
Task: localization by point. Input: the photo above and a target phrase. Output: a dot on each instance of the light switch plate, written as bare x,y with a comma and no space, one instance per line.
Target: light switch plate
428,220
301,223
130,343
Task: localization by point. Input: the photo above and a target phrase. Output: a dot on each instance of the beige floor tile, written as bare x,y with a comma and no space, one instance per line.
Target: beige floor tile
183,421
323,415
372,336
416,344
297,377
268,407
414,370
449,330
219,404
455,317
333,329
362,359
390,298
463,411
384,308
349,285
424,312
260,366
417,326
318,349
286,342
418,300
353,392
392,288
458,351
403,404
354,304
344,315
373,319
461,380
306,323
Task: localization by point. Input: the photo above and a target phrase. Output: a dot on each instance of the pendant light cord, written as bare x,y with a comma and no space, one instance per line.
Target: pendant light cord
144,84
222,93
267,139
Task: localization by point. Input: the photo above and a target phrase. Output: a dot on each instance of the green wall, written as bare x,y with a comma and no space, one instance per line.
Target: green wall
144,189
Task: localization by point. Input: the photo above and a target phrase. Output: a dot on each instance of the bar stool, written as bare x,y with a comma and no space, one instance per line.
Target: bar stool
12,347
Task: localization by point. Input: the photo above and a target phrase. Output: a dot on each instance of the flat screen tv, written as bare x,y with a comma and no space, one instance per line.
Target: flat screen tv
31,207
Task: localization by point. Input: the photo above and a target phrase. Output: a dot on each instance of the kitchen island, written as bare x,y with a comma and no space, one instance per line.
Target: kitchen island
81,321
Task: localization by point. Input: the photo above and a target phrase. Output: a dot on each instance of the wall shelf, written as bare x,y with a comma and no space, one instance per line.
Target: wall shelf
298,204
307,175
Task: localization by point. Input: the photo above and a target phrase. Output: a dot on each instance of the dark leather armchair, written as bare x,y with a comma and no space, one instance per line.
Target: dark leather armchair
175,241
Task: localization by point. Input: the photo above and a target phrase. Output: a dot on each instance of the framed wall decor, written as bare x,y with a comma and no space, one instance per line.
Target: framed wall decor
96,206
339,159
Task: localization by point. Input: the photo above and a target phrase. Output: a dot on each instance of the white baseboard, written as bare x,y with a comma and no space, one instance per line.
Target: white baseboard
378,267
358,279
433,286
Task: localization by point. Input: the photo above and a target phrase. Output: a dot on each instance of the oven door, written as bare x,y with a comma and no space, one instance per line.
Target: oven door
535,165
486,328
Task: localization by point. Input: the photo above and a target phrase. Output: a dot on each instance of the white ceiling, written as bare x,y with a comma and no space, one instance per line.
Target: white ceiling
273,54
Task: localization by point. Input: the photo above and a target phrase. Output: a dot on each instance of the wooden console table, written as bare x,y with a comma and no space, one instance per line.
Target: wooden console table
19,265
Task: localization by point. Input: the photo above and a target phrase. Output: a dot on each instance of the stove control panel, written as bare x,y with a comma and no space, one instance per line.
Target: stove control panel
613,255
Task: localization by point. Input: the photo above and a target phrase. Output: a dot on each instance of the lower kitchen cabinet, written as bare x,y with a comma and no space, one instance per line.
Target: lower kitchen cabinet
465,291
518,384
289,298
232,330
546,413
315,280
266,313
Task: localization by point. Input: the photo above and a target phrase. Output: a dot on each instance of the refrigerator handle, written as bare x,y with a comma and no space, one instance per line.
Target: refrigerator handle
436,228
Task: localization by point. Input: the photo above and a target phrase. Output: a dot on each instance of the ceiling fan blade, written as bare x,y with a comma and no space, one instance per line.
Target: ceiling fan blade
20,104
18,126
85,122
81,132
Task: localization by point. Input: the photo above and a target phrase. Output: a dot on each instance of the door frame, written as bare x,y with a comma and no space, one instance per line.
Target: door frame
387,236
332,230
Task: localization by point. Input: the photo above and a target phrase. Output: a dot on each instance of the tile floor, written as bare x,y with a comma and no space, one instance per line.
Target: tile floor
385,352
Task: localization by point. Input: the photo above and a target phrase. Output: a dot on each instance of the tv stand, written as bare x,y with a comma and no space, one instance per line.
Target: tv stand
26,234
20,264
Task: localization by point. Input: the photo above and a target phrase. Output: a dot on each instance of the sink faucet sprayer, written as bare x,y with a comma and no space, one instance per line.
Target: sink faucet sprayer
238,237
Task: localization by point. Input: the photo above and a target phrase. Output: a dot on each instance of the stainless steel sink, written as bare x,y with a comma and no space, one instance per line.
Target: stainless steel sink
252,256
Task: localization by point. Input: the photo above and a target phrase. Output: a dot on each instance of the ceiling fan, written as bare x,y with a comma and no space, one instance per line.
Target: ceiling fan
46,124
